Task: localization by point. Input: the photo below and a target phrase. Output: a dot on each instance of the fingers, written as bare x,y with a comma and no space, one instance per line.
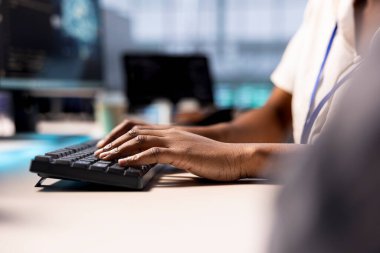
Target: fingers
140,142
115,133
124,127
131,134
150,156
118,131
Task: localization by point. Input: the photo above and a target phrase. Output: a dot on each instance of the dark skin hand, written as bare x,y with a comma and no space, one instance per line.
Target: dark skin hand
135,143
150,145
194,153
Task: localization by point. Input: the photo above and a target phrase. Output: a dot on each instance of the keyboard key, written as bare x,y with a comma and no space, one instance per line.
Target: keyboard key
99,166
116,169
65,161
90,159
55,154
82,164
133,172
105,162
43,158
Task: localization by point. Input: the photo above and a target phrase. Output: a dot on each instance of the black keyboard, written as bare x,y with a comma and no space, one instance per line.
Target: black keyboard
79,163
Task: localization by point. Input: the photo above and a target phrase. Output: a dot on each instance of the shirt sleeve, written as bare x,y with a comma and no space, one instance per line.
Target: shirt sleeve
283,76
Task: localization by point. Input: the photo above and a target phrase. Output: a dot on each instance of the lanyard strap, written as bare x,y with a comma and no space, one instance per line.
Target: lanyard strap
313,116
308,122
319,77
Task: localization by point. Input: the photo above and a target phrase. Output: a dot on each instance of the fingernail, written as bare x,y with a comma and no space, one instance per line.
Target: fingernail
100,143
122,162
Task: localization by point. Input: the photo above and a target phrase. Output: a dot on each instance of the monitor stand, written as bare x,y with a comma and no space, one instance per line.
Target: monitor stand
25,112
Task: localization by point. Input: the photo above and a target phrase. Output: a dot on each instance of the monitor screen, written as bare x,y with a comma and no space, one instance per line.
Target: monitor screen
150,77
50,44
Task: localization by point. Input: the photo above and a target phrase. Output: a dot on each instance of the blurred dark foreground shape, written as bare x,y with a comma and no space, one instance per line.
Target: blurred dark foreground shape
330,202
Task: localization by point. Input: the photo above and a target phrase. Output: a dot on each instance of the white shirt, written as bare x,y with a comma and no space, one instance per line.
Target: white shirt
302,60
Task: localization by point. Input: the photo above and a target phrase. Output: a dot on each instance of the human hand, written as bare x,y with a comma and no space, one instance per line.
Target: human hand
199,155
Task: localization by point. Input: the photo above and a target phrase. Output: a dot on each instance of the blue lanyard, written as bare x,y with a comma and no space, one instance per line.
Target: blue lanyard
312,115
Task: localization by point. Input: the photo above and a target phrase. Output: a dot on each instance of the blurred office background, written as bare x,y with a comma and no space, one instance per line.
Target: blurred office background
244,39
74,45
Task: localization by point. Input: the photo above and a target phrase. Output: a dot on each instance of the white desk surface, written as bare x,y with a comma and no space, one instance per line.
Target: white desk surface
178,213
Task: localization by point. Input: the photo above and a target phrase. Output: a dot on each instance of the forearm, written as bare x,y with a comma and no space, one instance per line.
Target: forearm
253,159
268,124
264,125
256,126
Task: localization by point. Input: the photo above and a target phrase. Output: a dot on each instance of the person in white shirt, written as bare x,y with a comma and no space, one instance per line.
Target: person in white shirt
308,82
332,206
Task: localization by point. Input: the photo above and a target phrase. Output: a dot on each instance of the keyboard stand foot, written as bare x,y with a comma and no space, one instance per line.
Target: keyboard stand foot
39,183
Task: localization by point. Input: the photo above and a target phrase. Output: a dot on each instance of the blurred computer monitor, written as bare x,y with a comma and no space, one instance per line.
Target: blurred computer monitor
48,48
150,77
48,44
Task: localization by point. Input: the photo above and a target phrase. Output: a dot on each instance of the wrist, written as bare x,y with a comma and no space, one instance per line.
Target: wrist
252,159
